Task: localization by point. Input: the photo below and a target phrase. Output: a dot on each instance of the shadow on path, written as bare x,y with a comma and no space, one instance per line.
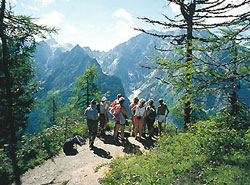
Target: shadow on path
71,153
130,148
102,153
147,143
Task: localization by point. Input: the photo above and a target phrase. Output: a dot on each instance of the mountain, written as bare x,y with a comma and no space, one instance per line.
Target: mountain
57,71
122,65
126,61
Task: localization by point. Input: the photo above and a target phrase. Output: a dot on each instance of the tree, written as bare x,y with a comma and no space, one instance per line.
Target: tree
53,107
229,65
16,72
85,89
195,16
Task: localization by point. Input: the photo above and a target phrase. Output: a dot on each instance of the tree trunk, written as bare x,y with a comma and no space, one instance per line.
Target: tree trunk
9,116
87,91
188,15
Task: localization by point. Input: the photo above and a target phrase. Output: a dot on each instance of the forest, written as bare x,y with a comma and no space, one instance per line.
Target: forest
211,61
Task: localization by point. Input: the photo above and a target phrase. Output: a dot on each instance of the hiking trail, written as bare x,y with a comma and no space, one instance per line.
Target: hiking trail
87,166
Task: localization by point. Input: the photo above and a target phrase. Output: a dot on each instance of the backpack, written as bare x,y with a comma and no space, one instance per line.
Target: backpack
98,107
116,113
68,145
152,113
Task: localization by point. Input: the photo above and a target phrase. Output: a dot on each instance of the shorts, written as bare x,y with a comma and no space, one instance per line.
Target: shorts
140,121
133,118
162,118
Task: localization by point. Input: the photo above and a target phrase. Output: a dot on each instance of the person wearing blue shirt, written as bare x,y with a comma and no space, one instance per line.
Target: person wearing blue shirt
91,115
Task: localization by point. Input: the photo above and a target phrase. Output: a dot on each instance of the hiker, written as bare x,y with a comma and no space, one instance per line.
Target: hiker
114,103
103,115
121,114
140,113
132,110
92,121
161,114
150,117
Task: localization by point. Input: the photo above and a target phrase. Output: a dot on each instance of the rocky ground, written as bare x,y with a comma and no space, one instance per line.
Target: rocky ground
87,166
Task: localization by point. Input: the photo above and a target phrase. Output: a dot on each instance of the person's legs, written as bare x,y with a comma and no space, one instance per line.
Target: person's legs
151,128
102,122
144,129
89,130
92,128
136,128
132,127
95,129
117,126
122,131
140,129
159,127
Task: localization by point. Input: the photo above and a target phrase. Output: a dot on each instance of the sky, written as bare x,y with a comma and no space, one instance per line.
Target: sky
99,24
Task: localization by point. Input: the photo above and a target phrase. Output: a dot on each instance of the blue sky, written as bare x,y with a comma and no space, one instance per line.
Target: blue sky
99,24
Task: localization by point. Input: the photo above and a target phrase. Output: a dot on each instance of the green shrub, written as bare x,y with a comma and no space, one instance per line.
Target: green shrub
213,152
38,147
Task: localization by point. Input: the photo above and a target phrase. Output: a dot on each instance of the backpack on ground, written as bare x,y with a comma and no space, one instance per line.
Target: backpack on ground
68,145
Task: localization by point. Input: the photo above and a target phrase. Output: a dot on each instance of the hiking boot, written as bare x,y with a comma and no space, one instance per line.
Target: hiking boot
91,146
123,141
103,133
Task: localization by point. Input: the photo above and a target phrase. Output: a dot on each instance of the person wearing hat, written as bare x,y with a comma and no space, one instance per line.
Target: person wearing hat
103,115
132,107
91,114
161,114
120,119
140,113
150,117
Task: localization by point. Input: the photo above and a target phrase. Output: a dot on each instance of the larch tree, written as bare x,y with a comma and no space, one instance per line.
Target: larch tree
17,35
229,65
195,17
85,89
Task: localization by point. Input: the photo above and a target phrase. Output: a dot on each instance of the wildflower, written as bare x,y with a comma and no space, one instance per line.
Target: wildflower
226,149
238,177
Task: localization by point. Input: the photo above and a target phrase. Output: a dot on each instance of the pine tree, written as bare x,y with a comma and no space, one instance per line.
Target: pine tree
16,72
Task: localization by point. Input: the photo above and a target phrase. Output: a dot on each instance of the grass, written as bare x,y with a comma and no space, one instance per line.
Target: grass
210,153
100,166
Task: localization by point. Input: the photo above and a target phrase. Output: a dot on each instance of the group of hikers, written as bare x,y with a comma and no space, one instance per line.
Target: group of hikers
141,116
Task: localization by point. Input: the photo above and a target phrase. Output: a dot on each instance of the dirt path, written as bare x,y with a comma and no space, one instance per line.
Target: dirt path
84,168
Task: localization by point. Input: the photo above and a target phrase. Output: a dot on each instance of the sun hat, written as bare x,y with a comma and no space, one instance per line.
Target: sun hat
104,98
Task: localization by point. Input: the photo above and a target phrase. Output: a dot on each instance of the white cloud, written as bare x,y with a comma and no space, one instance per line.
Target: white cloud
13,2
45,2
125,25
32,8
122,13
52,19
175,8
126,30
